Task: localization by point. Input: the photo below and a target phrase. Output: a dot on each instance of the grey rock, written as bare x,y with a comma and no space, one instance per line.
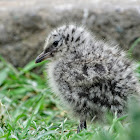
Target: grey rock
24,25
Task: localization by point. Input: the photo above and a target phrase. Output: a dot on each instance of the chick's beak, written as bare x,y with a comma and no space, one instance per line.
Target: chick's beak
42,57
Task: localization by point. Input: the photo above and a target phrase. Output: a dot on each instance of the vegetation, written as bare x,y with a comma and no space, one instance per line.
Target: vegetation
28,110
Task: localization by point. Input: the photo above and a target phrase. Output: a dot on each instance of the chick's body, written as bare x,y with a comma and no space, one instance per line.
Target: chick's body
90,76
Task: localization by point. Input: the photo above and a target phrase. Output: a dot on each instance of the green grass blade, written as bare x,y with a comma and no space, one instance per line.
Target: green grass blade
31,65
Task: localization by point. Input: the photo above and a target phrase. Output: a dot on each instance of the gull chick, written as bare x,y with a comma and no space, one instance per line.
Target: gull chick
90,76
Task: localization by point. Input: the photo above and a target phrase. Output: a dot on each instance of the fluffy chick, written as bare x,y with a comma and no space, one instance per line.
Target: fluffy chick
90,76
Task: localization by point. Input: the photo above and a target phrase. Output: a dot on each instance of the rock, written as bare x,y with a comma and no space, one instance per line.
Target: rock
24,25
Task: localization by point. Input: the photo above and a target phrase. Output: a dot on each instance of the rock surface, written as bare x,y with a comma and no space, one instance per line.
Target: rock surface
24,25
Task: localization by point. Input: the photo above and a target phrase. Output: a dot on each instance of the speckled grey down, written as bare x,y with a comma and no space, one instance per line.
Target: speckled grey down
89,75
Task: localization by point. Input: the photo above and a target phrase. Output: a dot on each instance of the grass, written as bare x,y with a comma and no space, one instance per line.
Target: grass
28,110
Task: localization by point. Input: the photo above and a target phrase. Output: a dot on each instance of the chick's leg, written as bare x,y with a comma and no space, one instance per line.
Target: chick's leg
81,126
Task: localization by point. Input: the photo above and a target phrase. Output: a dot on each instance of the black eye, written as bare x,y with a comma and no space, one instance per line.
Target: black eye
55,43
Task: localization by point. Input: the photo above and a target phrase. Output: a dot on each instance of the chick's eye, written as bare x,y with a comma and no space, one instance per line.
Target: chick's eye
55,43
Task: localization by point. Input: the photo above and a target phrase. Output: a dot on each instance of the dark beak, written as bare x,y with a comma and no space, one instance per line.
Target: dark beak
42,57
